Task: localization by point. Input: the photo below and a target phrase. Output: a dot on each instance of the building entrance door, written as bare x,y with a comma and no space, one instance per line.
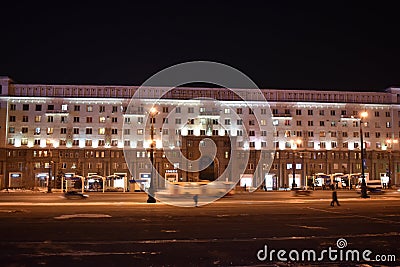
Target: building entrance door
209,172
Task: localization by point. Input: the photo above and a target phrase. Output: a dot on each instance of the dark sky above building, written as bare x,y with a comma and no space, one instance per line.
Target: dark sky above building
327,45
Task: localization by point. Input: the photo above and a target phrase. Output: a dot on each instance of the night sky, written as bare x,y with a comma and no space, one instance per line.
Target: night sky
327,45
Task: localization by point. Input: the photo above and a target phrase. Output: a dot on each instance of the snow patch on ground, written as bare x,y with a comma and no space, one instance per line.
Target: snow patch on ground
84,215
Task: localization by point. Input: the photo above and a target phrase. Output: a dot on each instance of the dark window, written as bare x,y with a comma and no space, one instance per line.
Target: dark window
25,107
38,108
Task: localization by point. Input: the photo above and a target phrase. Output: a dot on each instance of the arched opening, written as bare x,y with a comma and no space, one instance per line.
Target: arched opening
209,172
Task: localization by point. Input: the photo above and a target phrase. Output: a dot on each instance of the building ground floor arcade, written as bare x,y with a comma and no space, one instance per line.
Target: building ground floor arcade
31,168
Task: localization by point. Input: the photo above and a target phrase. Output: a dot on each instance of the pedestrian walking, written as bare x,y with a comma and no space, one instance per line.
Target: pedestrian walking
196,199
334,199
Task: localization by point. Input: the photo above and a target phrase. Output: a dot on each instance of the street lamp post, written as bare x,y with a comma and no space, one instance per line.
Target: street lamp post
363,183
389,144
49,180
150,191
298,143
294,171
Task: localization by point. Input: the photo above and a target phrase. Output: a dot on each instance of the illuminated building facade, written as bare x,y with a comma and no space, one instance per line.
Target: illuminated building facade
52,130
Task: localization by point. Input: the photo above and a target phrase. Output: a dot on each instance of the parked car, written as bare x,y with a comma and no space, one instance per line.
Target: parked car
75,195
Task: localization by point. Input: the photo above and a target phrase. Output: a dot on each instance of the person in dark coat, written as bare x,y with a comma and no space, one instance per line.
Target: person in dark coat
196,200
334,199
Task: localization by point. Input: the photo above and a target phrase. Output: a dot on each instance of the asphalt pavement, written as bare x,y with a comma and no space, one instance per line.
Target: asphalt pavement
121,229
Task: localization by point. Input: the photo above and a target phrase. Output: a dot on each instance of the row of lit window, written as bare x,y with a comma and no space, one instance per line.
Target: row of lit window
64,107
275,111
64,119
114,131
312,155
89,165
321,112
240,144
178,121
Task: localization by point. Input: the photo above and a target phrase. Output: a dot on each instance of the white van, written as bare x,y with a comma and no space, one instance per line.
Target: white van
373,186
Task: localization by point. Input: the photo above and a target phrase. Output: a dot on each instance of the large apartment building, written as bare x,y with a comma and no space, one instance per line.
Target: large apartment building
59,130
